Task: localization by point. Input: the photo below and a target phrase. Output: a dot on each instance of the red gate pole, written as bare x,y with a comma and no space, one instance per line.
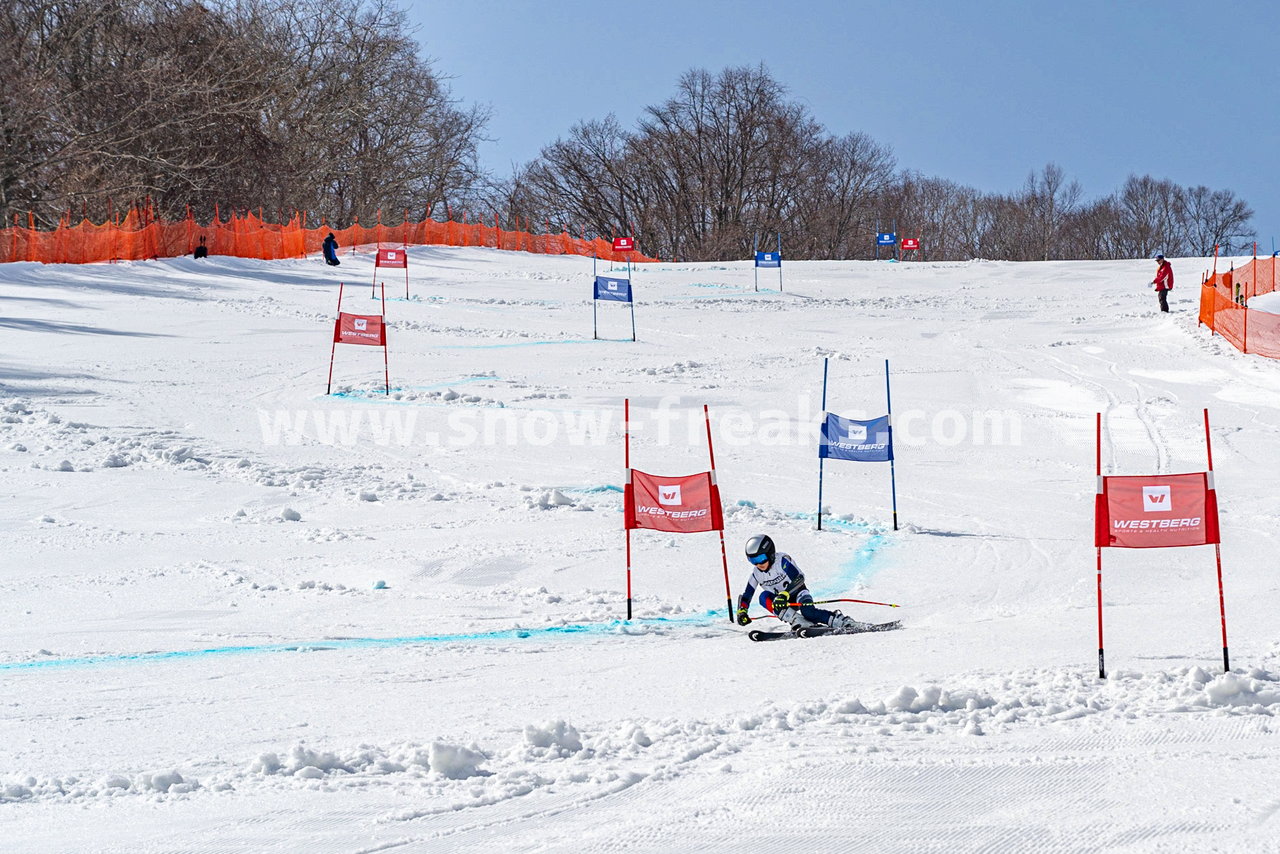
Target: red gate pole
1217,553
1102,665
386,368
724,558
334,346
626,428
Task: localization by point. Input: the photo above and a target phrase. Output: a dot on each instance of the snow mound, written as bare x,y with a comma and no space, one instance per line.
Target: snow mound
557,738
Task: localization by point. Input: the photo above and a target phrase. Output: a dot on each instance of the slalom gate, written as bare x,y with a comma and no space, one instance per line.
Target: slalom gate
612,289
139,235
1157,511
369,330
767,260
679,504
394,259
859,441
1224,307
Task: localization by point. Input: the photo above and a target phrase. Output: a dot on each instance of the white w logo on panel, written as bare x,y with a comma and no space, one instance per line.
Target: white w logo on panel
669,495
361,323
856,434
1157,499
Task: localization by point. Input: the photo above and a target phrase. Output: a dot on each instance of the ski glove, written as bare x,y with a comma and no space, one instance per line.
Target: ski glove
780,601
743,619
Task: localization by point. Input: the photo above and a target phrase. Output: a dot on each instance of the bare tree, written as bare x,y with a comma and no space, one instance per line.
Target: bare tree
1216,218
282,104
1150,217
119,99
1049,200
842,191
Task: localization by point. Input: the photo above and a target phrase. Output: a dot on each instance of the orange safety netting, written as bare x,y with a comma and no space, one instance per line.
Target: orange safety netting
139,236
1224,298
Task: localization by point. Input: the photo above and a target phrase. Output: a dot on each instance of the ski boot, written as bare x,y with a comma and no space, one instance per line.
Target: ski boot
841,623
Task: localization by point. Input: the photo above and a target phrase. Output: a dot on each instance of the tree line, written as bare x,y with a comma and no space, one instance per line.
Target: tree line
730,159
329,108
322,106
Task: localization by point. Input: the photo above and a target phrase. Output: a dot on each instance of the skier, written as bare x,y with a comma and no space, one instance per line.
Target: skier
781,583
330,250
1163,282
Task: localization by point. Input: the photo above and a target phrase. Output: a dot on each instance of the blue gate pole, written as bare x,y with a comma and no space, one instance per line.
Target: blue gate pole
893,485
633,312
779,262
821,459
755,263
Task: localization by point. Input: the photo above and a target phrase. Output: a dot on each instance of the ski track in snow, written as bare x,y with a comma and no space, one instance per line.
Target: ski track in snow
218,641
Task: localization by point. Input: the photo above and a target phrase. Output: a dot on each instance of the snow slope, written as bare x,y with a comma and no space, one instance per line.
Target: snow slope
237,614
1266,302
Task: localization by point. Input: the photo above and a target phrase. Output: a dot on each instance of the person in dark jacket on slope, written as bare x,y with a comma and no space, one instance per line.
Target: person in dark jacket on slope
330,250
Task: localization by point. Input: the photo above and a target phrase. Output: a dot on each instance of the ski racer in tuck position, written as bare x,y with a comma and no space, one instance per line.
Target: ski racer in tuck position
783,591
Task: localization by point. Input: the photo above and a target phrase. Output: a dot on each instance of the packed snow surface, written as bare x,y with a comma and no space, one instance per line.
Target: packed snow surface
239,614
1266,302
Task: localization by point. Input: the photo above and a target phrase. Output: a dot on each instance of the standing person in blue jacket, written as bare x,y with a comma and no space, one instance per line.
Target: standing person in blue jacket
781,583
330,250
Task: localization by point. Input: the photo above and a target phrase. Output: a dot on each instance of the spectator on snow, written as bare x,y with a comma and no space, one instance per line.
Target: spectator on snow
1164,281
202,251
330,250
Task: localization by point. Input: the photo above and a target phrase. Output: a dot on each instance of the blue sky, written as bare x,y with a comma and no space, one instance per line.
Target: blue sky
979,92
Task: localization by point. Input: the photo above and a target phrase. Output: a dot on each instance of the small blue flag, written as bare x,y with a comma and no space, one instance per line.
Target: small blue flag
886,238
768,259
860,441
609,288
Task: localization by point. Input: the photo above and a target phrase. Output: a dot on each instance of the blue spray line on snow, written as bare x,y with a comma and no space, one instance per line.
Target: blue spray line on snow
613,627
414,298
530,344
857,569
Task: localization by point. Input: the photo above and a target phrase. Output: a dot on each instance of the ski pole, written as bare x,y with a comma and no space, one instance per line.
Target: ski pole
827,601
765,617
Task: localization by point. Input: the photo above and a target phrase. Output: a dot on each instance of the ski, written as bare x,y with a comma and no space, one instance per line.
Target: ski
758,635
819,631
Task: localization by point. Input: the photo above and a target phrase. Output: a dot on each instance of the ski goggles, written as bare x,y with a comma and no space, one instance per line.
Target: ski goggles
763,557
